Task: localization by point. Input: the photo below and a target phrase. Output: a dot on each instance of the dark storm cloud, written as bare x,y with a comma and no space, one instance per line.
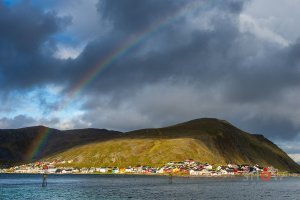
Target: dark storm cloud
183,51
17,122
26,46
21,121
277,128
132,15
265,79
249,70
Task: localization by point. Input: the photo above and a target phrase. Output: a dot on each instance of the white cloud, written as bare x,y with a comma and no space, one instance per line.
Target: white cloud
86,21
248,24
65,52
76,122
295,157
86,25
280,17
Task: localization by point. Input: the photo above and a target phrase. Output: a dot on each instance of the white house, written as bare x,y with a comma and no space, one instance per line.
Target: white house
208,167
129,170
102,170
51,169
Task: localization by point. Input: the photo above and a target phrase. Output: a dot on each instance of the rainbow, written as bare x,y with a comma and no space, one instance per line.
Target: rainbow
37,144
125,46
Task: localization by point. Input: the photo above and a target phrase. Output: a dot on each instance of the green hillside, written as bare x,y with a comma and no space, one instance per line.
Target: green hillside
205,140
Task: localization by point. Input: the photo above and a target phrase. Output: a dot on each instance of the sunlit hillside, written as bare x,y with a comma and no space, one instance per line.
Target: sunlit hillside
206,140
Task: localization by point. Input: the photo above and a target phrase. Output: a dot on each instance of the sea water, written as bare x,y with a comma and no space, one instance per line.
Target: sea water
29,186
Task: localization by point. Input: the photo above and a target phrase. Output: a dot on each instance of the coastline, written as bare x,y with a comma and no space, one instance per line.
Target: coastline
164,174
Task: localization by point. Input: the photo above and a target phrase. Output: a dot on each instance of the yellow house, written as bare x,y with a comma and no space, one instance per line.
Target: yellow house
122,170
176,170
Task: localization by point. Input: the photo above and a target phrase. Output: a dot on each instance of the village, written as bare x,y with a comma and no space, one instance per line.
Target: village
187,167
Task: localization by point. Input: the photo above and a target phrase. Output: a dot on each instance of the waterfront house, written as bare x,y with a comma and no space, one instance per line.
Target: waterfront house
161,170
92,170
122,170
67,171
102,170
199,173
115,170
51,169
84,170
129,170
208,167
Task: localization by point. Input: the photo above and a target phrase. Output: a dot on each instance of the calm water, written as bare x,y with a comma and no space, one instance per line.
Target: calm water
75,187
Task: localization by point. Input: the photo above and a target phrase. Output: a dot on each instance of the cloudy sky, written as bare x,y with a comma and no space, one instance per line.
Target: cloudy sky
133,64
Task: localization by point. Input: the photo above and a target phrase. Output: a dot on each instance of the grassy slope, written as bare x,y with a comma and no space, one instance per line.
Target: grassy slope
204,140
132,152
